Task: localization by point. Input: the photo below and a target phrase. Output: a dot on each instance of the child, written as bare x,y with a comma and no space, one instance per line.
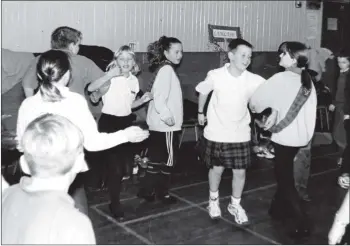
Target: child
38,210
226,141
339,99
84,70
118,103
292,89
164,118
344,85
53,71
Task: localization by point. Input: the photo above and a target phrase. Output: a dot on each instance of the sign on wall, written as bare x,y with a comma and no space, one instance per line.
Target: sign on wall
223,35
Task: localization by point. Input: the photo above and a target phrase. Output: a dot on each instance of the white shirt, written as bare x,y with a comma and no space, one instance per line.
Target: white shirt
228,115
40,215
279,92
75,108
120,96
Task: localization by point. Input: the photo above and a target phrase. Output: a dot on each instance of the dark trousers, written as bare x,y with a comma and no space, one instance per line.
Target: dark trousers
117,160
346,155
286,197
161,164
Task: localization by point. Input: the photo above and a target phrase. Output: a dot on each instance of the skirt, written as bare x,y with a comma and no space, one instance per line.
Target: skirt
228,155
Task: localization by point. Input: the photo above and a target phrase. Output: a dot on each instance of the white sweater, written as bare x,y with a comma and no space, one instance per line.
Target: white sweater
75,108
167,101
278,93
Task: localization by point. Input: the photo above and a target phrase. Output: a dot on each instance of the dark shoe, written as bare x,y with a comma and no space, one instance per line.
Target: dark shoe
147,197
168,199
117,213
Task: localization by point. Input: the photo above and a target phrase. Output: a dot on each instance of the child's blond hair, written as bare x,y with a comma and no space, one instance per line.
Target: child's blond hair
135,70
51,145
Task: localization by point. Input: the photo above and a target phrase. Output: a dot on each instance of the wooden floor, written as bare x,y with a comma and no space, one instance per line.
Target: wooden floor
187,222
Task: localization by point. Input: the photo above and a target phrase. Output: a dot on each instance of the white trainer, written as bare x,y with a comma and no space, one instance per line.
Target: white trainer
214,208
238,212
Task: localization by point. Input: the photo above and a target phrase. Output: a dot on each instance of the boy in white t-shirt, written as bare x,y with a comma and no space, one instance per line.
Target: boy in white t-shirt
226,141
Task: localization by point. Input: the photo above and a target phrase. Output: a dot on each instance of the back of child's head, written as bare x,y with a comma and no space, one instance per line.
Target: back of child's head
51,145
125,48
155,51
51,67
299,52
234,43
63,36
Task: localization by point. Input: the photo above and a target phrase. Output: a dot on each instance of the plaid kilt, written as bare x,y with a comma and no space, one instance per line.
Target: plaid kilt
228,155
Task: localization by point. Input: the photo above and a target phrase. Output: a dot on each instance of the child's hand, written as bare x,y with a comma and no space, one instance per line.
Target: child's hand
344,180
95,96
114,72
271,120
135,134
201,119
331,107
147,97
170,121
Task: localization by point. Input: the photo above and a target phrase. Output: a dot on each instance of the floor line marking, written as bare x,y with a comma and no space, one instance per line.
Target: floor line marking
265,187
230,222
201,182
196,205
154,216
127,229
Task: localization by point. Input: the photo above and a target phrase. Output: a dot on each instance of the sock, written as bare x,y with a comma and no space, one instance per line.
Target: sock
213,194
235,201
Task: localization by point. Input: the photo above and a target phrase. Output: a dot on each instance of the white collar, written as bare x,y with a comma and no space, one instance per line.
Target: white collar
42,184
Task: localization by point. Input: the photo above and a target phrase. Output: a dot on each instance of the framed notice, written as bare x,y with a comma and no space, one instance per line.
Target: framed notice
223,33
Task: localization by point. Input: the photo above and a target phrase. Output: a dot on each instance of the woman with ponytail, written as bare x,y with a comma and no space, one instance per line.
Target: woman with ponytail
292,97
164,118
53,74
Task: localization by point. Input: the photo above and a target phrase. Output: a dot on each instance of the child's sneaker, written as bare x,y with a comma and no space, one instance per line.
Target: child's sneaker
265,153
238,212
214,208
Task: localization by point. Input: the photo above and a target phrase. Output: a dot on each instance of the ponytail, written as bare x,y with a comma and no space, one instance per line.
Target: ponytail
51,67
155,51
306,80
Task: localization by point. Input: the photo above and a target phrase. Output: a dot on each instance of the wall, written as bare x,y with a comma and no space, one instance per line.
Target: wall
27,25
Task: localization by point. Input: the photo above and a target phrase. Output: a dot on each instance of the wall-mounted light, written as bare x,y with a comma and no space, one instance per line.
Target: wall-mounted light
298,4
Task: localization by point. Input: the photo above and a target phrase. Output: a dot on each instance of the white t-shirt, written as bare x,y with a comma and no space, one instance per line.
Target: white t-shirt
120,95
228,115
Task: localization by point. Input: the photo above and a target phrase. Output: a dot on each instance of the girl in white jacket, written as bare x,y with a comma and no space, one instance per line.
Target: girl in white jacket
164,118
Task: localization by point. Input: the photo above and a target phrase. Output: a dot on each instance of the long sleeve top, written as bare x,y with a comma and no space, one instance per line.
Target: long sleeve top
279,92
167,101
75,108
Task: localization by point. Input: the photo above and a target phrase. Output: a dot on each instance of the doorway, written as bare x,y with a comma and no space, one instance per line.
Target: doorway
336,25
